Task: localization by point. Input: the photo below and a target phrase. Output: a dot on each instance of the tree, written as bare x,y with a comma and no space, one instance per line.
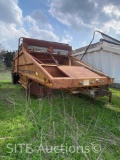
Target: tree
1,48
2,52
8,58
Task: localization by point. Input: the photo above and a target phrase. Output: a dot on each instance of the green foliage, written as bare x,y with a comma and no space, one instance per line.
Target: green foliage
8,59
56,120
2,66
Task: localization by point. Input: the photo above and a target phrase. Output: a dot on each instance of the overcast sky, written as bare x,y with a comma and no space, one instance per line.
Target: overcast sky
69,21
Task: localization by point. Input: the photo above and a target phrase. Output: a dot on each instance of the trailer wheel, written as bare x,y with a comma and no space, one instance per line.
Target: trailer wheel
15,78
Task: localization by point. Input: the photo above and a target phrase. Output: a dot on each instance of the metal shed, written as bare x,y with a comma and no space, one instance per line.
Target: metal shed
104,56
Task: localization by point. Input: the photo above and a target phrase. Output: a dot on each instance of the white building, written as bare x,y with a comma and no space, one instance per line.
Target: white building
103,56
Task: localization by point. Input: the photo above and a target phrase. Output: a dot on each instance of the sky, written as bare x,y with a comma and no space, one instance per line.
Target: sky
66,21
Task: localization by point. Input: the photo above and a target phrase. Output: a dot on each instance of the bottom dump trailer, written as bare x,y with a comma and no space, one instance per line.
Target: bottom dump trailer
41,66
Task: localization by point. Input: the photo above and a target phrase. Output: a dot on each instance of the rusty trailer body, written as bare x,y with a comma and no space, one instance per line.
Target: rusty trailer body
41,66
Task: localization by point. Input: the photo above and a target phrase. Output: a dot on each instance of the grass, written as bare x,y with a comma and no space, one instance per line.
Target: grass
31,131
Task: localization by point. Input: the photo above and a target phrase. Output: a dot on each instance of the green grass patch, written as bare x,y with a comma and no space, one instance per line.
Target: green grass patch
61,127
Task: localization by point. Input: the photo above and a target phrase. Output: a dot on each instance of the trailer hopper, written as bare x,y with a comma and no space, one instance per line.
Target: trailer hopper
41,66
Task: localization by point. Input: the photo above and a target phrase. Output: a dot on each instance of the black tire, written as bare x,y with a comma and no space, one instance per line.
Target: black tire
15,78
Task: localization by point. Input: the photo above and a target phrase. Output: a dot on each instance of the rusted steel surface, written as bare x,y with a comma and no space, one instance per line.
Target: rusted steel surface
48,44
78,72
51,64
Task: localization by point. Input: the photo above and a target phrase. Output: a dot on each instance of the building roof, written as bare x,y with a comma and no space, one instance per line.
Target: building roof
106,40
102,44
